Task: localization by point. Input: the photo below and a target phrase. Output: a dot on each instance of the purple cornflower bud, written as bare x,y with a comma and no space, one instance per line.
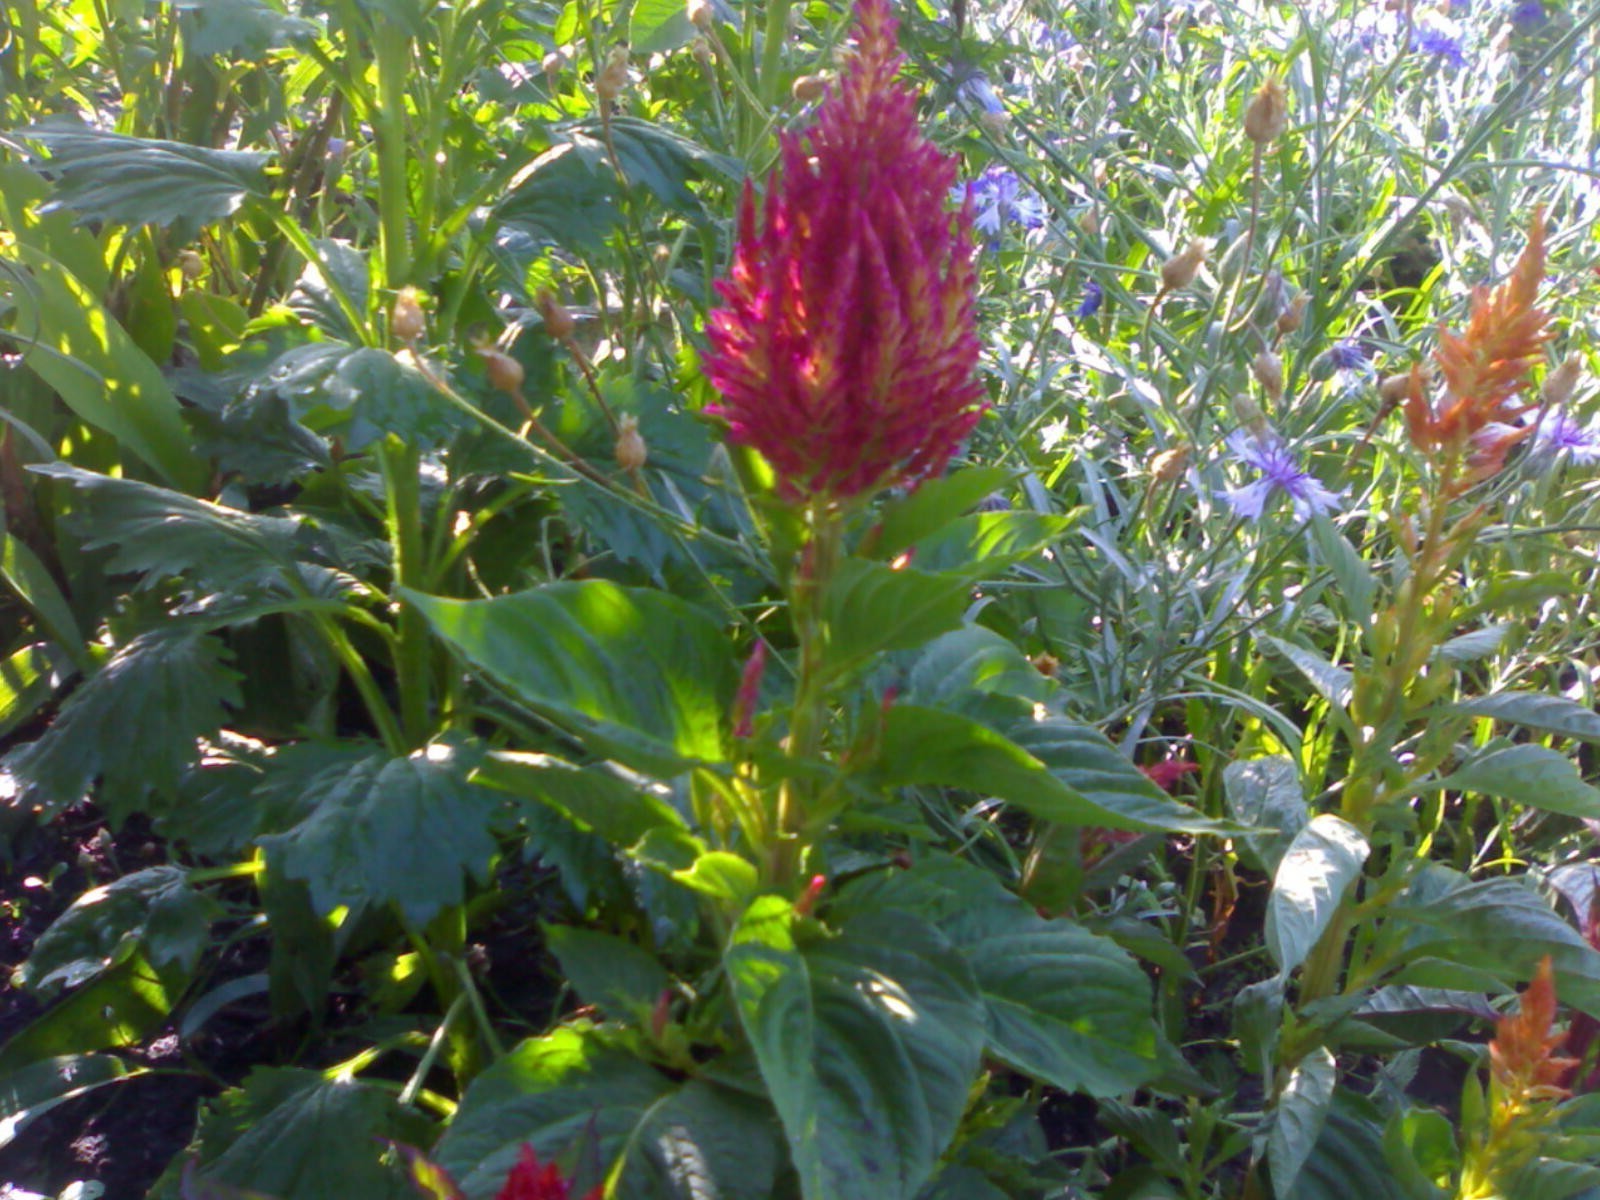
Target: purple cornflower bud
1093,297
1348,356
845,349
1441,45
1528,16
1279,472
1560,434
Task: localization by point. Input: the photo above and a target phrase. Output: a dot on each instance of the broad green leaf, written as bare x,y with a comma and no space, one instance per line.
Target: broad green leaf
81,352
935,504
26,575
338,275
642,676
392,830
1419,1146
623,979
161,534
122,1006
154,911
870,607
1554,1176
970,663
1062,1004
986,543
1533,776
1536,710
576,1100
143,181
620,810
1334,684
1257,1022
362,394
1347,1160
868,1043
134,724
659,26
1353,577
1055,770
245,29
295,1133
27,681
1266,793
35,1089
1298,1117
654,158
722,875
564,198
1469,647
1316,870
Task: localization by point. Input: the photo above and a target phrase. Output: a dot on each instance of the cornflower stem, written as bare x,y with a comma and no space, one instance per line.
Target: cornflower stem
403,489
808,718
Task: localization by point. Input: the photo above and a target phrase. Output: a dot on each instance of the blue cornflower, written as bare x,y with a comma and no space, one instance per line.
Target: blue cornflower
998,196
1441,45
1528,16
1347,356
977,90
1560,434
1093,297
1279,472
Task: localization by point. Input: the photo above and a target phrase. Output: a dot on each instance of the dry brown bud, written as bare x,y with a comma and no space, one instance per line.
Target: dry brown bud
809,87
1394,388
1268,370
1046,664
701,49
1179,270
406,319
700,13
1560,383
1250,416
505,373
1290,318
554,62
1268,113
1169,464
994,122
613,76
631,451
558,322
191,264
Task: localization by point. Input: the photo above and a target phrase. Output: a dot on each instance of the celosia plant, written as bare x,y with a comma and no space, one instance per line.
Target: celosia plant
845,349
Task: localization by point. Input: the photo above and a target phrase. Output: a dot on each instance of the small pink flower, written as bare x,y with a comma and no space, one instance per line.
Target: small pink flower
528,1180
845,349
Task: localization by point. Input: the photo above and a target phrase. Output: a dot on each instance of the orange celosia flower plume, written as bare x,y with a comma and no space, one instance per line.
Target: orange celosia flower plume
1522,1057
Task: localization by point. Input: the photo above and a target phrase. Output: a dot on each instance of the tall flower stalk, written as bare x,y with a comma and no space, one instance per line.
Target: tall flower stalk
845,349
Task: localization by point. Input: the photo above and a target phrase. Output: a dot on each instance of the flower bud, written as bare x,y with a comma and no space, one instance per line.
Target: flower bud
1394,388
1179,270
1268,370
191,265
1169,464
1290,318
613,76
505,373
809,87
1249,414
1560,383
701,49
1268,113
700,13
994,122
554,62
631,451
406,319
558,322
1046,664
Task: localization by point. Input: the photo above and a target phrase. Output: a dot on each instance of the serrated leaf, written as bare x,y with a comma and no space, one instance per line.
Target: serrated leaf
295,1133
642,676
562,198
867,1042
161,534
1036,772
572,1097
154,909
1536,710
134,723
871,608
392,830
136,181
612,972
1266,793
1533,776
1319,866
362,394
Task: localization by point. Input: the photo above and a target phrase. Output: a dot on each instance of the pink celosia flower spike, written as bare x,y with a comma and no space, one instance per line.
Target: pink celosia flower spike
845,351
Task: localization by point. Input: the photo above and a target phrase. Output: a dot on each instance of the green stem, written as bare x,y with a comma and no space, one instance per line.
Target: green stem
403,487
392,48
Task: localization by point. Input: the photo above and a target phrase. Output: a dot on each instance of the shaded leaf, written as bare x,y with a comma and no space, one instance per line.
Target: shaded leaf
612,972
35,1089
1266,793
1319,866
1533,776
1536,710
1298,1117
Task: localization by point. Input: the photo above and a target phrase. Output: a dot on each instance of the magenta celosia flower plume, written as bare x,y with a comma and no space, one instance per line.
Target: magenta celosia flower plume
845,352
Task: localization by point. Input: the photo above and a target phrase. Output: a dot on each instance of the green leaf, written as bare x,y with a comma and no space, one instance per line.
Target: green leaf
143,181
610,971
659,26
26,575
929,746
722,875
300,1134
35,1089
384,829
1536,710
1347,1159
1063,1005
968,664
161,534
870,607
1533,776
563,198
654,158
134,723
1469,647
27,680
1265,793
641,675
122,1006
1319,866
245,29
623,811
935,504
571,1096
1298,1117
93,365
1353,577
1333,684
154,910
985,543
362,394
868,1043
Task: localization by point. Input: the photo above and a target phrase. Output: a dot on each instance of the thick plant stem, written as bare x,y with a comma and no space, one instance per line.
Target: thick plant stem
393,51
403,488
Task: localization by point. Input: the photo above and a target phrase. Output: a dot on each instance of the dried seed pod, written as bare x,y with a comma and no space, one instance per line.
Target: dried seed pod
1560,383
1046,664
406,319
1268,370
1179,270
1267,115
558,322
191,264
1394,388
700,13
613,76
631,451
505,373
809,87
1169,464
1290,318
